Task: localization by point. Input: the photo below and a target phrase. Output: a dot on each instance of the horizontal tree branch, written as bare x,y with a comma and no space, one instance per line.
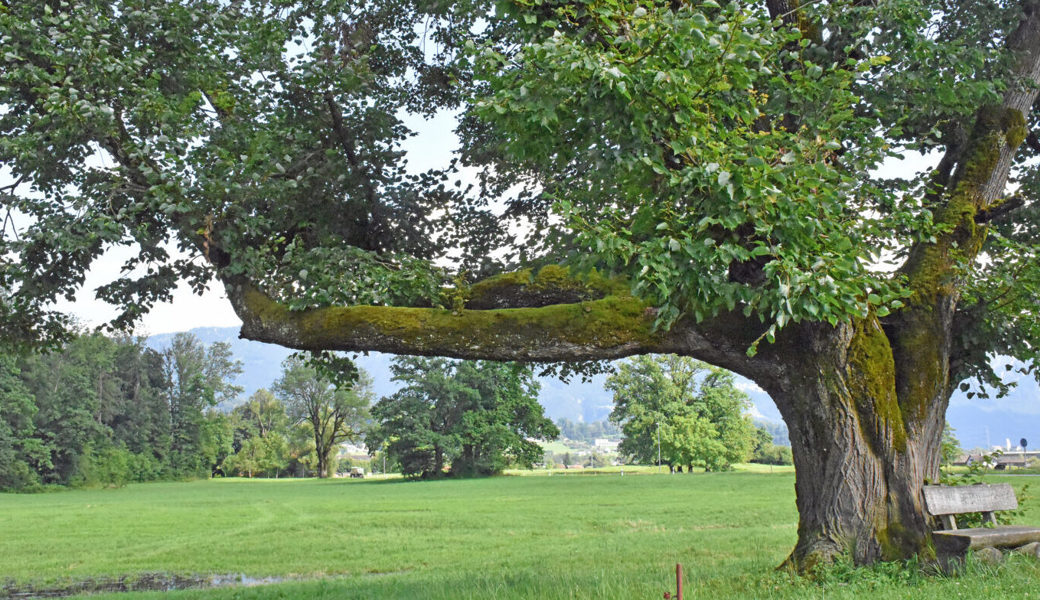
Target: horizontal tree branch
610,327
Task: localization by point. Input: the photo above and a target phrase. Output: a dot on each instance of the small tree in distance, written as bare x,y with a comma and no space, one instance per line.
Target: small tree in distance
765,452
950,447
262,414
260,436
334,414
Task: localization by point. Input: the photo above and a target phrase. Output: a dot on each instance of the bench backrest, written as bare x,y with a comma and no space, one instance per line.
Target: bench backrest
959,499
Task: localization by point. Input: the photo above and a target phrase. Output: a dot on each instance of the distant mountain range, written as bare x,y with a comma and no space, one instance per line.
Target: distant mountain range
977,422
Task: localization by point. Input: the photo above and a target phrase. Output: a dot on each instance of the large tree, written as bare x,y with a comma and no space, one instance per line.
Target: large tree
136,409
17,444
688,411
261,415
197,379
717,163
69,388
261,436
472,417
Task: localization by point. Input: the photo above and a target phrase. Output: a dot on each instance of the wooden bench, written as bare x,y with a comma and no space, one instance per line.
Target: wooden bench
946,501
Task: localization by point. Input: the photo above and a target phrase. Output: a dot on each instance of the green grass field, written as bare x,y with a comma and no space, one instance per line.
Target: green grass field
558,536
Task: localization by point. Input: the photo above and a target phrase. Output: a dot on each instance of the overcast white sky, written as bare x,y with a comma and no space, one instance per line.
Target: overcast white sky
186,311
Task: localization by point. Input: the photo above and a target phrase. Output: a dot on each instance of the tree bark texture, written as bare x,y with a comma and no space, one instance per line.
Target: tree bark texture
860,459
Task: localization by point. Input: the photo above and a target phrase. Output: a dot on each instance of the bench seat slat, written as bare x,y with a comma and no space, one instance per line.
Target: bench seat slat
984,537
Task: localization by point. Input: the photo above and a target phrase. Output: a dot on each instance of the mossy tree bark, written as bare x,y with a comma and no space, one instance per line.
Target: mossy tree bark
861,455
864,401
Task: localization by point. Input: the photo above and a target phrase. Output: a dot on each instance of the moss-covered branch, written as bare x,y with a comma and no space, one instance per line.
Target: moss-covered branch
608,327
976,190
552,284
601,321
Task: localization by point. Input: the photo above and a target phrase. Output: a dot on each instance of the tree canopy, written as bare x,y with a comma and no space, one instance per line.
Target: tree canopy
695,408
462,417
704,178
717,159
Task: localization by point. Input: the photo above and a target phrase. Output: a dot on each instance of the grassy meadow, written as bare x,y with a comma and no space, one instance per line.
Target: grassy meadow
561,536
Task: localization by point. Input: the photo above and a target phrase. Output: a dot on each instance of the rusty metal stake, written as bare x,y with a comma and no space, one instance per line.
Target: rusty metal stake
678,585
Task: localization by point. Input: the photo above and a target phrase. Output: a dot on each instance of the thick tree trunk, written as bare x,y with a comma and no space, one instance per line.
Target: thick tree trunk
860,457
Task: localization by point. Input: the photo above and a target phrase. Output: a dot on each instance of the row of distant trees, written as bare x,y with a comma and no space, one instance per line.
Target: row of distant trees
476,418
471,418
104,411
296,428
109,411
450,418
112,410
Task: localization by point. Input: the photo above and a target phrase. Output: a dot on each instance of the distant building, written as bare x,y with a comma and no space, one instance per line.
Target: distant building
1000,459
353,451
605,445
1015,459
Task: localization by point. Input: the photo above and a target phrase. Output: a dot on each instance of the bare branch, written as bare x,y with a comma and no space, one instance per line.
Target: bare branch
999,209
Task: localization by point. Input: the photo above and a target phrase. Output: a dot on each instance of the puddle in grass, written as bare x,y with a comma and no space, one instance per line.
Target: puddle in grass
147,582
